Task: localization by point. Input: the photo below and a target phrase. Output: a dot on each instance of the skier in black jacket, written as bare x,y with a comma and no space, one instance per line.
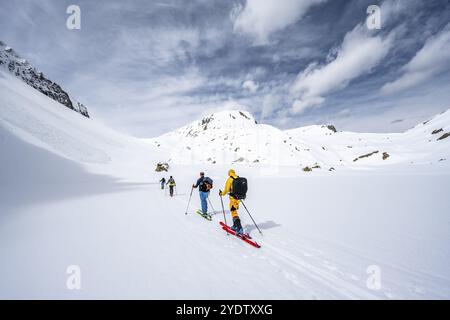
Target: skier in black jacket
204,184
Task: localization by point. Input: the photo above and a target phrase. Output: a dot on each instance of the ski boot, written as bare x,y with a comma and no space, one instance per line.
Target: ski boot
237,227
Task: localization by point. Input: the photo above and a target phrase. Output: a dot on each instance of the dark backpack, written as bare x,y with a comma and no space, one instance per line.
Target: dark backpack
206,184
240,188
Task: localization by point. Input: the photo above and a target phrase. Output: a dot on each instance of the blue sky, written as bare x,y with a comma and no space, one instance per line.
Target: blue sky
147,67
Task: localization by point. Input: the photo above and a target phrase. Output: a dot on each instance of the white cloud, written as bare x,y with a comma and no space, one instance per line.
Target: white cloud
358,54
161,46
269,105
261,18
432,59
250,86
299,106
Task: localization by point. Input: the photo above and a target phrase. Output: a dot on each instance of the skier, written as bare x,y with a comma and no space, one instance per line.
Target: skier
204,184
234,201
163,182
171,183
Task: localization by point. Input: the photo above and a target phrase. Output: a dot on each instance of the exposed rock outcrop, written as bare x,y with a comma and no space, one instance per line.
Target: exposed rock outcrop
366,155
437,131
445,135
162,166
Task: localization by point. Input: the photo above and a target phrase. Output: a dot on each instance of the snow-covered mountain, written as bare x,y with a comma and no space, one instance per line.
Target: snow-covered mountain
22,69
232,137
426,143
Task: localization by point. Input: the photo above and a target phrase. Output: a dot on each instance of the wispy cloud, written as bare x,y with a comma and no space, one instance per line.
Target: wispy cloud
250,86
259,19
432,59
358,54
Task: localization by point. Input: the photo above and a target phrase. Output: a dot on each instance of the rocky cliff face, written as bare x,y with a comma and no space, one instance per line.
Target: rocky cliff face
22,69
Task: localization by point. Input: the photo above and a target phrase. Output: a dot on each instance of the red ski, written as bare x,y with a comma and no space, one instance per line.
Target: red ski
245,237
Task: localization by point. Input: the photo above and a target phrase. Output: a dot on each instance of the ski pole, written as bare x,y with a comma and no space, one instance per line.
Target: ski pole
251,217
210,203
223,210
189,202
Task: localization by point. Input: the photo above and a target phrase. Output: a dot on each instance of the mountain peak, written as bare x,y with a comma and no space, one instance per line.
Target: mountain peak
222,120
21,68
228,118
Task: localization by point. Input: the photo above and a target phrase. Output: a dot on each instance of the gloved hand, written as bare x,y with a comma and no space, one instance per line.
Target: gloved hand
220,193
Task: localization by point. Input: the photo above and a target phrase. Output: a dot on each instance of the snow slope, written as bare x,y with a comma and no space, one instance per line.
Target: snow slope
41,121
417,146
73,192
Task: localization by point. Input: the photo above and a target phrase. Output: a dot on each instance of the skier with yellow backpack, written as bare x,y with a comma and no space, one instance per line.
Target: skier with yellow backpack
236,188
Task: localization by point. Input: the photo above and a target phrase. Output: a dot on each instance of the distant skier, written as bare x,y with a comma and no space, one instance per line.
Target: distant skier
171,183
236,187
163,183
204,184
